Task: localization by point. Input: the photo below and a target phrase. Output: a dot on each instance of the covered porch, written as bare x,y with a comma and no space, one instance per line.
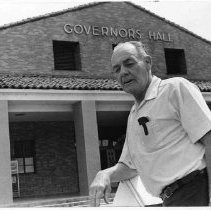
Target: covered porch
87,113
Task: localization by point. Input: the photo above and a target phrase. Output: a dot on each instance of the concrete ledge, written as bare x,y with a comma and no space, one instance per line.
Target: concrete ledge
61,202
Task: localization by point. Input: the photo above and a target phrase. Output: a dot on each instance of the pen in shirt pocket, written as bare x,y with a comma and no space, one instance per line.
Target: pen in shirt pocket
143,122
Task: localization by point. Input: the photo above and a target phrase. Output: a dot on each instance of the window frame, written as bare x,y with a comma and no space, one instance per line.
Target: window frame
60,62
177,56
21,155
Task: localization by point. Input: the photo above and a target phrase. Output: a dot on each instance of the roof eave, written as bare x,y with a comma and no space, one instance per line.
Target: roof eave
63,95
169,22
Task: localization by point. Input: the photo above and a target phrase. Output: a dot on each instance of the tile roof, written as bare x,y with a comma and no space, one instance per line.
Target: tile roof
56,82
204,86
92,4
64,82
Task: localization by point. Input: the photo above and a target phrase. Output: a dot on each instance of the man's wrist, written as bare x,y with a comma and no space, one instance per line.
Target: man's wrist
110,173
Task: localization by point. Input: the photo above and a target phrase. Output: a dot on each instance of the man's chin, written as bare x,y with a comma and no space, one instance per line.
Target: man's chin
128,90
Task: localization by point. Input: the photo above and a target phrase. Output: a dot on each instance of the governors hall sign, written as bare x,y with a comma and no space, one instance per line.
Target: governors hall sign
115,32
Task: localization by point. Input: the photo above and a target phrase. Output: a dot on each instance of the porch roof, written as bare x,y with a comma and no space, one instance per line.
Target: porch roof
64,82
56,82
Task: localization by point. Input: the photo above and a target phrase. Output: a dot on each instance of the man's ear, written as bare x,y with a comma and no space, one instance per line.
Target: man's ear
148,61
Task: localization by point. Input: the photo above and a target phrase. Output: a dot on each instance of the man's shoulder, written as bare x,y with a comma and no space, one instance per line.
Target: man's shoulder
175,82
178,85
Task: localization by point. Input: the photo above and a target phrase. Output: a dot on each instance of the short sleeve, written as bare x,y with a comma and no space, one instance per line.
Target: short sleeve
125,157
193,111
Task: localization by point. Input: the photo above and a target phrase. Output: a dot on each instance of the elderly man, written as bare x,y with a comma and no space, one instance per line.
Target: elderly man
166,131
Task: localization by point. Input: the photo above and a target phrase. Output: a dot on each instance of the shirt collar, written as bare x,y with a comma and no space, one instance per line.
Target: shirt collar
152,90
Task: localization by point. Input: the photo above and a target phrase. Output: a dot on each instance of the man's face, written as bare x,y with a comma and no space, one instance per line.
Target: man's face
131,70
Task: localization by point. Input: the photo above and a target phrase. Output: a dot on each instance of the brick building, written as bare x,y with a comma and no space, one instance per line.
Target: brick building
63,116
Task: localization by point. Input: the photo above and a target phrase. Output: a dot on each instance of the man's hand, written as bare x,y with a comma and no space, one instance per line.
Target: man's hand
100,188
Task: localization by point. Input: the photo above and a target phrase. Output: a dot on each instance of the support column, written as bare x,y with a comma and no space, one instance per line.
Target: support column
6,195
87,143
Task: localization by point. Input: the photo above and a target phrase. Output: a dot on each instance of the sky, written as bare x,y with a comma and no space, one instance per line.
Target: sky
192,15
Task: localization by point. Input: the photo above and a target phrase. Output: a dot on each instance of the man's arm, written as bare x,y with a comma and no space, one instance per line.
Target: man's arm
101,185
206,138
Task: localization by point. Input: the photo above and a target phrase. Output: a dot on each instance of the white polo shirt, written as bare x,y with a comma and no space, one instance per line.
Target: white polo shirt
178,117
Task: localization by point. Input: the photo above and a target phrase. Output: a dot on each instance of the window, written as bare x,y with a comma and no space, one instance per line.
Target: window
113,46
175,61
24,154
66,55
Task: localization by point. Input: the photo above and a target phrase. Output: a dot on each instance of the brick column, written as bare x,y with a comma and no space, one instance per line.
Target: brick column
6,196
86,143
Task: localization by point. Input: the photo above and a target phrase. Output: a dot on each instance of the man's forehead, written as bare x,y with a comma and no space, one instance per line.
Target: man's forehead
128,47
123,51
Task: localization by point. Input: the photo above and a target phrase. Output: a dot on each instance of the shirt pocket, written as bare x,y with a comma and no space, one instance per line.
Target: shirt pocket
166,131
148,139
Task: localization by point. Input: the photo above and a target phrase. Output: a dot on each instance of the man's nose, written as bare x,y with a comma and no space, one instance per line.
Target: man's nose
124,69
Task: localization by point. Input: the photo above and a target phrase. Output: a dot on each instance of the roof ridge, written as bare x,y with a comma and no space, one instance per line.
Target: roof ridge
168,21
48,75
41,74
51,14
92,4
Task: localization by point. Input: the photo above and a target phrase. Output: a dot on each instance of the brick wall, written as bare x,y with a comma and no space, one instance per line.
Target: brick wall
28,47
55,158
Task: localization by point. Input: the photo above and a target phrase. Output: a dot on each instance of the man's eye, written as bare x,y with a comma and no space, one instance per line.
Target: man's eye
129,64
116,69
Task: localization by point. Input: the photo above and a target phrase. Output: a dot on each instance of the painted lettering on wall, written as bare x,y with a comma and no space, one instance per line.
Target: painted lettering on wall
102,31
115,32
159,36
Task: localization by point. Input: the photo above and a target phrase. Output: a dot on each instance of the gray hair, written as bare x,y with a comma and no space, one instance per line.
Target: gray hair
140,47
